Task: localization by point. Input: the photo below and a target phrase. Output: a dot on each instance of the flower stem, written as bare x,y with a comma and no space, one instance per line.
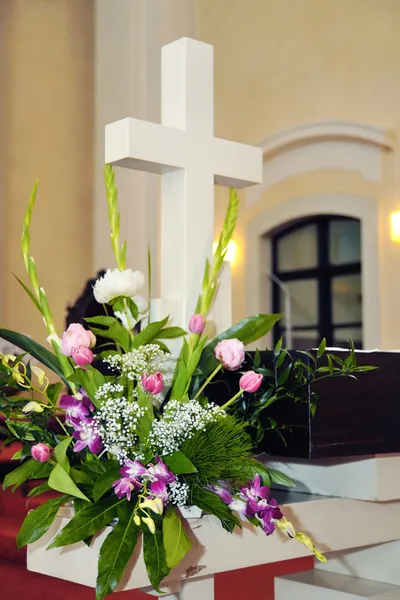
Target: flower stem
232,400
209,378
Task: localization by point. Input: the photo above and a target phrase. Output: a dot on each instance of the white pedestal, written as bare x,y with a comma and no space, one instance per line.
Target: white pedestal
317,585
335,524
362,478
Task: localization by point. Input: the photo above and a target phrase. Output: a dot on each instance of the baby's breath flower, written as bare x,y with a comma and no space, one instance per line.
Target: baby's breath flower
180,422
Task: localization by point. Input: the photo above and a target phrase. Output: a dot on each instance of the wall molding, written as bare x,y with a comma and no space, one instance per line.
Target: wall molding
325,145
258,251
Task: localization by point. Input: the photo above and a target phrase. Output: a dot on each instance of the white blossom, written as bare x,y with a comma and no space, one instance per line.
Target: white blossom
180,422
116,283
178,493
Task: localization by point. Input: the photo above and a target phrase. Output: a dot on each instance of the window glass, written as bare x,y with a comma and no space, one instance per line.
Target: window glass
346,299
303,295
298,249
344,241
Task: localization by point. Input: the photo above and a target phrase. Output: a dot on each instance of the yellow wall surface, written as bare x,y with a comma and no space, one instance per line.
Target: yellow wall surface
283,63
46,72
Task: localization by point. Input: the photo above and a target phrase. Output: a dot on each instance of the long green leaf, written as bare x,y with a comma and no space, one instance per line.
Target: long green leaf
104,482
149,333
31,469
154,556
38,521
280,478
211,503
60,453
179,463
176,541
28,291
60,481
87,522
41,354
116,551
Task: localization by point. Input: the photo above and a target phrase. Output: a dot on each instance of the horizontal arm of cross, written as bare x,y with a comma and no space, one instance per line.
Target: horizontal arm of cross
154,148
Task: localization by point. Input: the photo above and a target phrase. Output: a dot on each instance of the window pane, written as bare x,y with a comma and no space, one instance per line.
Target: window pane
298,249
346,299
303,297
344,241
342,334
305,340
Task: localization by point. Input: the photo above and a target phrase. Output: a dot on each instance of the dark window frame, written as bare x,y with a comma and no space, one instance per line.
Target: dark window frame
323,273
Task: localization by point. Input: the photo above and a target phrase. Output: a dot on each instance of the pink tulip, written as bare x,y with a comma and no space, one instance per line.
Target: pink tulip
152,383
41,452
75,337
82,356
196,324
230,353
250,381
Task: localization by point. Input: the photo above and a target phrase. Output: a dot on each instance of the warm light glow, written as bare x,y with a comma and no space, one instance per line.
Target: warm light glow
395,227
230,255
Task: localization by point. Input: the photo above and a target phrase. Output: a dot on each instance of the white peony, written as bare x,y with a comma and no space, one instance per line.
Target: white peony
116,283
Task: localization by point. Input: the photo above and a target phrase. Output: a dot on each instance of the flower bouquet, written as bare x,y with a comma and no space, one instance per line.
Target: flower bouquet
131,444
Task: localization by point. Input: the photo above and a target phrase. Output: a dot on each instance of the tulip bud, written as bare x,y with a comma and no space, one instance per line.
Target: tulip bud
41,452
250,381
82,356
152,383
196,324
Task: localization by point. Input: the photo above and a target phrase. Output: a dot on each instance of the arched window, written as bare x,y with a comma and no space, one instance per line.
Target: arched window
316,266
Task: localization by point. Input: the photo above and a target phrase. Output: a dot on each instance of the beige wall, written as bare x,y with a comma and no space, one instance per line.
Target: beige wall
46,114
288,62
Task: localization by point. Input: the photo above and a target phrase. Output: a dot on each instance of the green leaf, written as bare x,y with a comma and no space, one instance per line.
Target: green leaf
79,476
34,349
149,333
170,333
154,556
53,391
255,468
28,291
104,482
87,522
249,330
60,453
113,330
116,551
60,481
280,478
176,541
321,348
179,464
211,503
31,469
39,489
284,376
38,521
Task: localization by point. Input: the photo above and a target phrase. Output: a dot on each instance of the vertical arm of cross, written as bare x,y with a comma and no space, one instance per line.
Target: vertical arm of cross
187,194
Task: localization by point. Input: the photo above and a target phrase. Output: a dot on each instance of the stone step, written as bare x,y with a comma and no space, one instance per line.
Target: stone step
361,478
319,585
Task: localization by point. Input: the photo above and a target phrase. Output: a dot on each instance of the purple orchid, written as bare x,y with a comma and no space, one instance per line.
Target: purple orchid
160,471
159,489
222,491
74,408
259,504
87,435
86,401
133,469
124,487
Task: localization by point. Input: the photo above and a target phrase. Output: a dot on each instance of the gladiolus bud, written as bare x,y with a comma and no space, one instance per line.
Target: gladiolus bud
41,452
82,356
152,383
250,381
196,324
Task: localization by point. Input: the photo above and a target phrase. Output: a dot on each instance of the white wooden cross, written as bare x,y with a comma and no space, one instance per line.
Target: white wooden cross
191,160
